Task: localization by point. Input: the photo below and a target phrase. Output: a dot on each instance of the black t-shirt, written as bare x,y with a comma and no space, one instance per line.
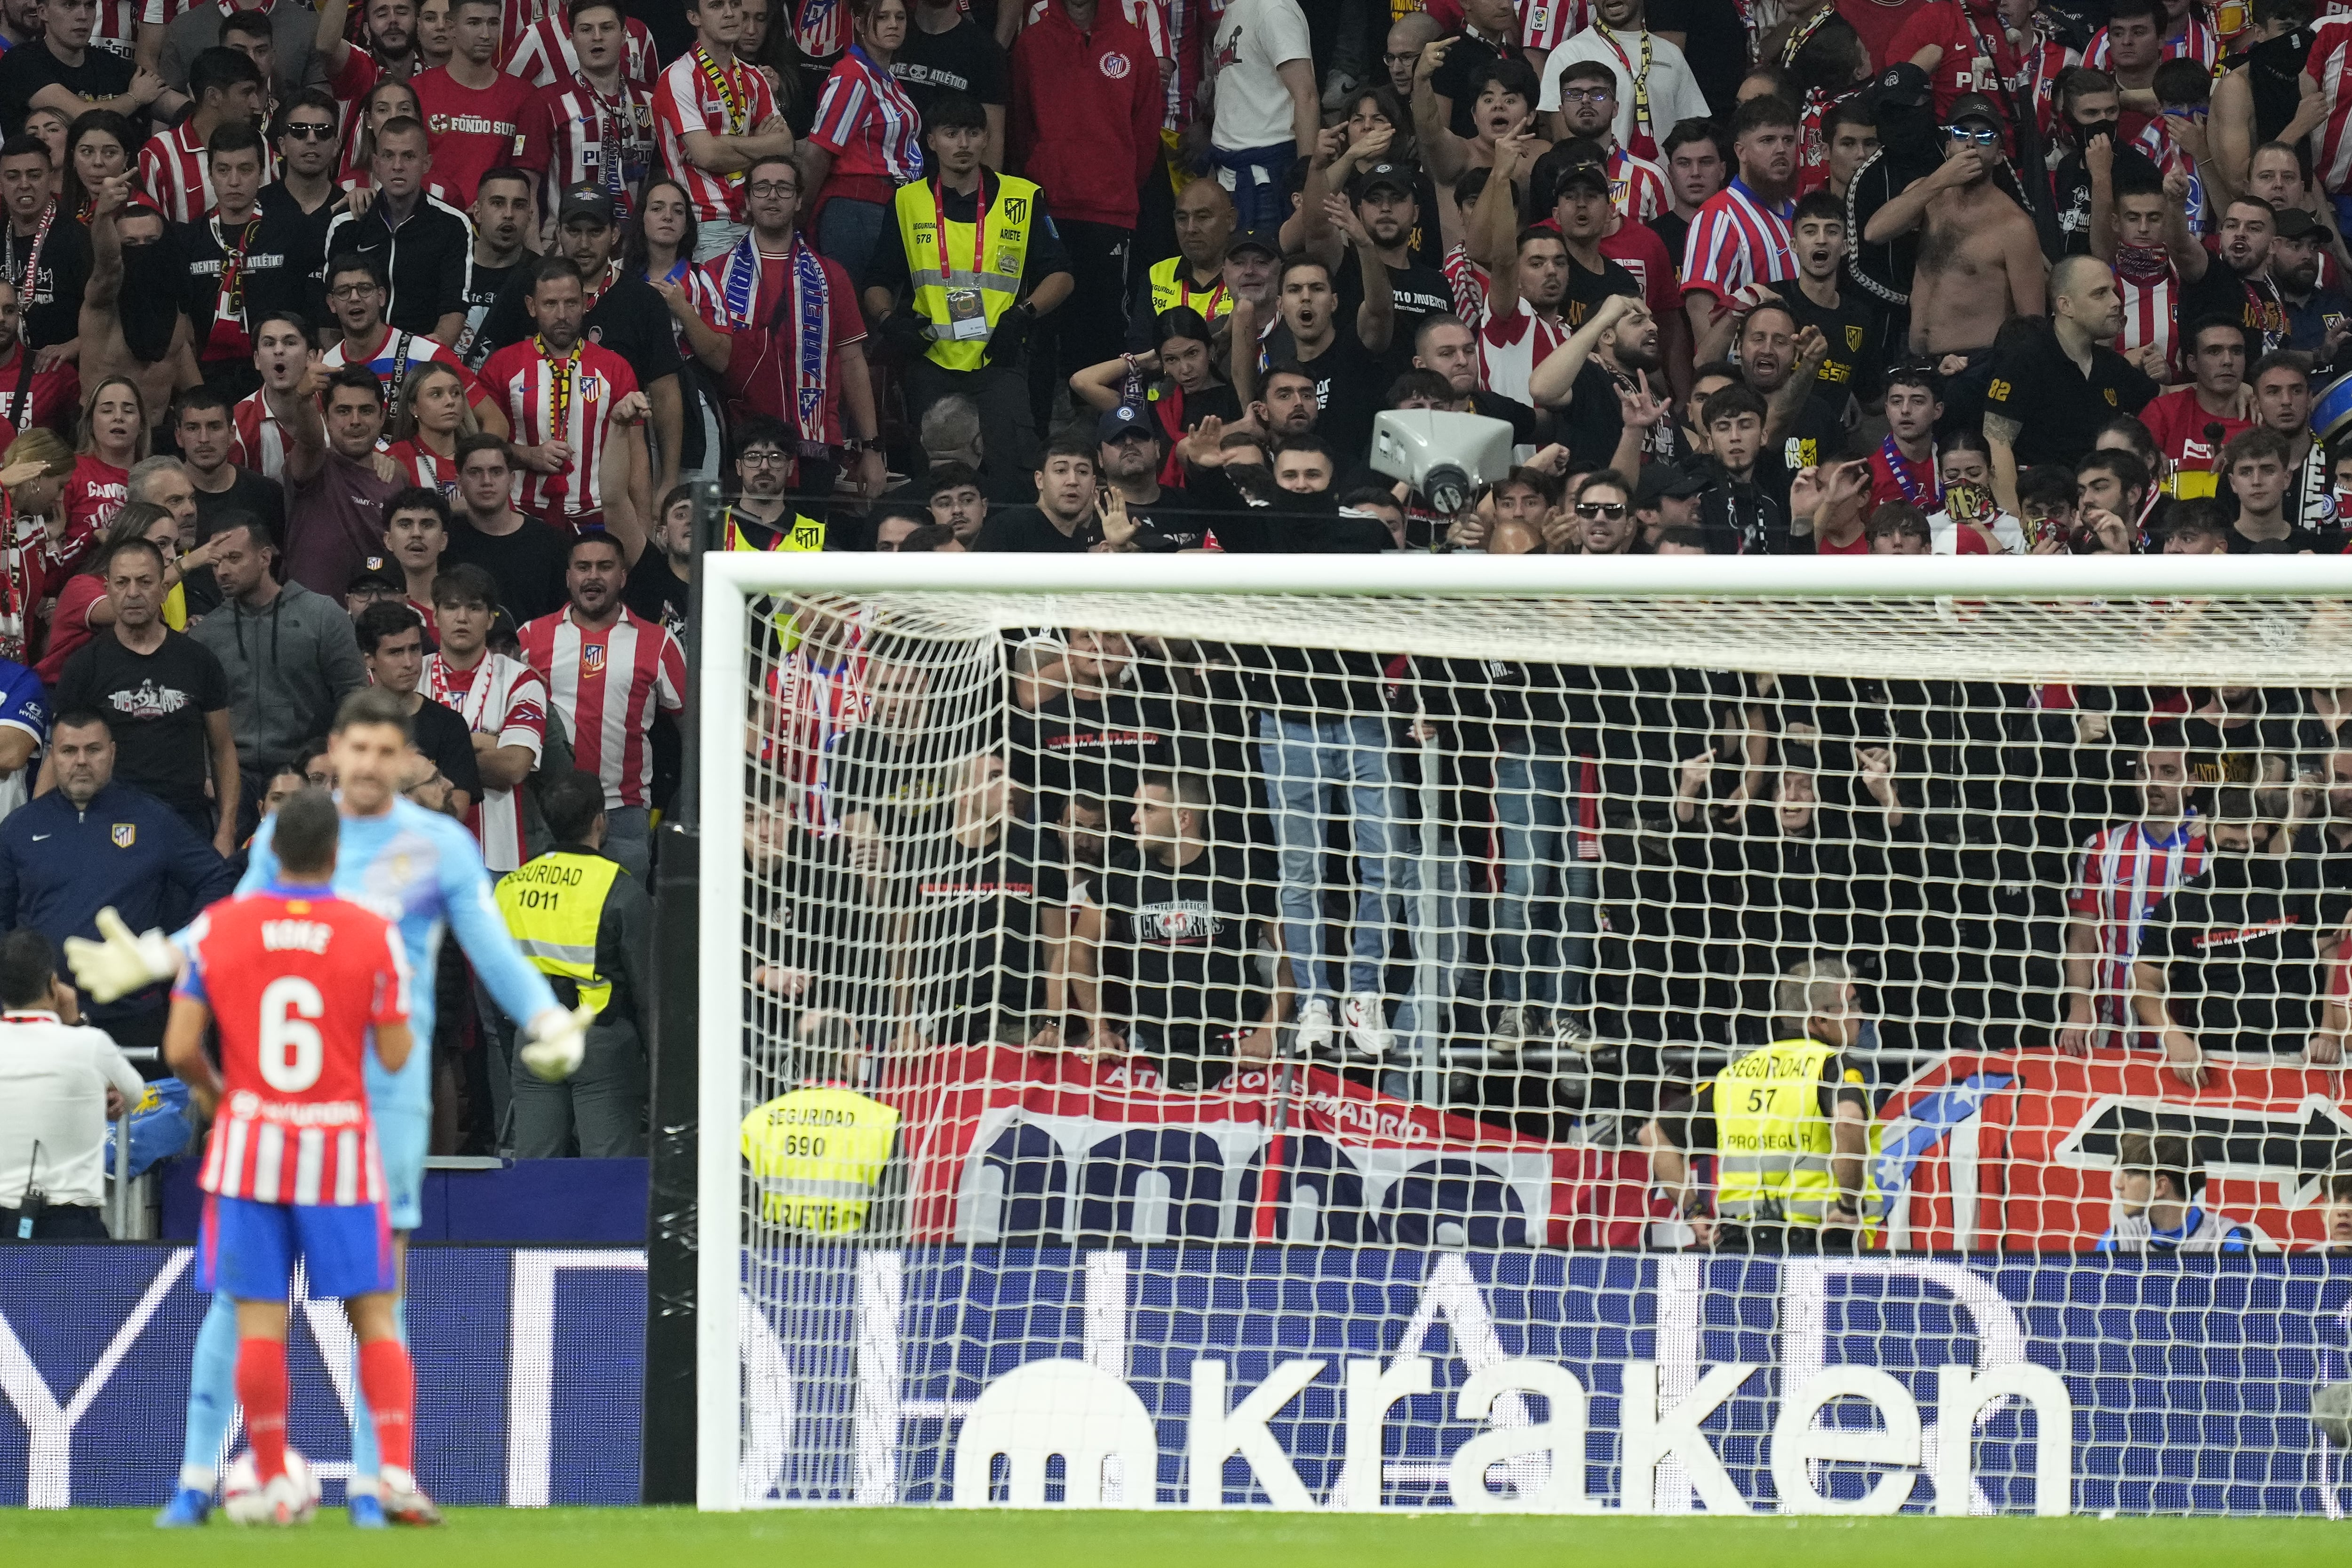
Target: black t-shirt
1714,42
155,703
1587,289
1420,292
1591,423
962,59
627,317
279,203
2058,409
1170,522
657,593
2225,753
1523,420
1675,230
1026,531
1855,364
279,266
1098,748
2222,292
2072,181
2301,539
907,788
55,313
264,497
976,911
2239,948
1350,383
1182,940
442,739
485,287
1816,436
30,67
528,564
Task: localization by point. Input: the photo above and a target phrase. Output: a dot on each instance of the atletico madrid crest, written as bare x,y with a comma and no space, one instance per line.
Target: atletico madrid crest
1853,339
592,658
126,834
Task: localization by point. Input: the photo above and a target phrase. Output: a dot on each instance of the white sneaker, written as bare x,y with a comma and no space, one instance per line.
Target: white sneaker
1367,1024
1314,1026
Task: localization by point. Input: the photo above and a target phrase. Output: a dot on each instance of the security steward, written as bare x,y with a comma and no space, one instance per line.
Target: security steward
1788,1127
821,1154
587,925
1195,275
966,269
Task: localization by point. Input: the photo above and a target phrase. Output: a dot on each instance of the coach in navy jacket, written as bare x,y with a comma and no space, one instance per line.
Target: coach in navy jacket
92,842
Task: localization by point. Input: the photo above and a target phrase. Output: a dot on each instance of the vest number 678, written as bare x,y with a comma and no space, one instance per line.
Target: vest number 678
292,1053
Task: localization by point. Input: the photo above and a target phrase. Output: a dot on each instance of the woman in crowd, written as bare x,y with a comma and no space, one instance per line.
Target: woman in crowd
1179,376
868,141
100,145
425,428
387,101
660,250
47,127
113,437
32,519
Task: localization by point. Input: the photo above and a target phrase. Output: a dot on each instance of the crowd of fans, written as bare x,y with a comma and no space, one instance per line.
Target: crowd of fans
384,343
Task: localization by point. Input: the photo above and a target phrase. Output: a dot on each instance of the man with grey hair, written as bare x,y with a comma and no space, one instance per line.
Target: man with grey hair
1789,1125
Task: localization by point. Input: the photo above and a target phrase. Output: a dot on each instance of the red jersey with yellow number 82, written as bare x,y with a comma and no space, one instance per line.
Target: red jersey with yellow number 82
295,982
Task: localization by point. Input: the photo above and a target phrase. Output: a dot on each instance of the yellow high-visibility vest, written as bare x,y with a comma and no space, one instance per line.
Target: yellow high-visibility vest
1172,285
965,289
552,906
805,534
1772,1144
818,1155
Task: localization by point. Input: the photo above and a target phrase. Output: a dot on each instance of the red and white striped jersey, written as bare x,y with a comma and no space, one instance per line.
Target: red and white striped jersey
295,983
1736,240
607,685
259,443
163,13
812,704
526,385
574,135
1547,24
702,293
688,97
1510,347
544,53
2195,42
174,173
396,353
865,118
1637,186
1470,284
2125,872
506,697
2331,50
821,28
116,27
420,464
2151,312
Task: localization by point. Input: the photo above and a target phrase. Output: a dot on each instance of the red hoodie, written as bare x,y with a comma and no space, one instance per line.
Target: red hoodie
1087,108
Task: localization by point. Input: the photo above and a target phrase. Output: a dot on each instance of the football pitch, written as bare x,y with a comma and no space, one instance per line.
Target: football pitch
677,1538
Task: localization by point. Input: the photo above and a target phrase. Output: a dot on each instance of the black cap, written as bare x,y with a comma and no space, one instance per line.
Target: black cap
2294,223
1659,480
590,202
1977,107
1126,420
1593,177
1258,238
1397,177
1903,85
377,571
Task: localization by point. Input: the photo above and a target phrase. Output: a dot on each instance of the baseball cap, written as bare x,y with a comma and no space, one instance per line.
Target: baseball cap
1591,177
1394,176
1126,420
377,571
1977,107
589,202
2294,223
1257,238
1903,85
1660,480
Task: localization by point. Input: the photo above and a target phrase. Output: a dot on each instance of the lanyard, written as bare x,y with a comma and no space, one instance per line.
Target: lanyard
978,227
1641,77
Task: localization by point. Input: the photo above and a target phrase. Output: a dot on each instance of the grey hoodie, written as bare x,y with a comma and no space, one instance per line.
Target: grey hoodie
289,664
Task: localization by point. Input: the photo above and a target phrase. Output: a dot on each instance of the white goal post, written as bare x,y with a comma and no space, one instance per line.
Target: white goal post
878,1421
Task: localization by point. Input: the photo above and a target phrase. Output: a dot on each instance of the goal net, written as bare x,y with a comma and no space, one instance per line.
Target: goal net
1525,1035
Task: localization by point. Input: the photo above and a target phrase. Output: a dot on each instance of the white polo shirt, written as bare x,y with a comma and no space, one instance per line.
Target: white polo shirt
53,1080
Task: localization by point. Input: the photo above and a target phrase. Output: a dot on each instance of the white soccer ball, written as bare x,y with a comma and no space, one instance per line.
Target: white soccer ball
245,1500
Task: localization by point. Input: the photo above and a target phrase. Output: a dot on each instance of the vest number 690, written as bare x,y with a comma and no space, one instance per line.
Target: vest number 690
292,1054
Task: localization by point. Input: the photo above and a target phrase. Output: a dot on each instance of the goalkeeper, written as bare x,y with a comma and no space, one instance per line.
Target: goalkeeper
423,871
1788,1127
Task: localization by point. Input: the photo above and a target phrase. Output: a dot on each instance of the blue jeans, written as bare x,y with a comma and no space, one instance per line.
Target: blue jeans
847,232
1531,804
1254,175
1302,760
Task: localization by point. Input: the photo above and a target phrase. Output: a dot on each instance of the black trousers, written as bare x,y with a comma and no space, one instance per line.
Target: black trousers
58,1222
1091,325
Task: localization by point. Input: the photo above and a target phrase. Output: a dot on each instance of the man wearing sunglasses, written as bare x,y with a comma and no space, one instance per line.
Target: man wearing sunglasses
1980,259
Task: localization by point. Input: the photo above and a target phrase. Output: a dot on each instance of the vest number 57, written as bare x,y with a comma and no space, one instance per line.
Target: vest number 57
292,1053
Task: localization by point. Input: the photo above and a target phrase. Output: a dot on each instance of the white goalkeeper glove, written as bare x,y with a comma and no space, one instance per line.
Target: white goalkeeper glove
557,1041
119,963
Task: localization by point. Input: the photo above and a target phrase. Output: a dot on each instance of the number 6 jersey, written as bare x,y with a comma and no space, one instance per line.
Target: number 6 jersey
295,979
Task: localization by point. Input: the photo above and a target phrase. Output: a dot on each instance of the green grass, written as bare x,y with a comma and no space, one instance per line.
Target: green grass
670,1538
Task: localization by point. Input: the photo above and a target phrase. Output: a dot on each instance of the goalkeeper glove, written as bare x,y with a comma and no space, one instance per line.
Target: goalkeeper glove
557,1041
119,963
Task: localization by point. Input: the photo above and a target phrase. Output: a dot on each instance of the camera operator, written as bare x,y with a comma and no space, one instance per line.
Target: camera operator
59,1083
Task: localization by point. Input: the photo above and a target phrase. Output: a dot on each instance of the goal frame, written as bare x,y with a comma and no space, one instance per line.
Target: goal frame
729,579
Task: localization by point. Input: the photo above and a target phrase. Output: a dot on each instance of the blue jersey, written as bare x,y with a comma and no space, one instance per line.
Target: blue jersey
421,871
